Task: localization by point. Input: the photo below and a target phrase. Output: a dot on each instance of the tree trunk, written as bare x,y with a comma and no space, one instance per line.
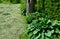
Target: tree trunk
30,5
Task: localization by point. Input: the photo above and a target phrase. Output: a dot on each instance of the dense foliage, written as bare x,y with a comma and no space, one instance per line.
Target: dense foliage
43,29
32,16
52,9
49,8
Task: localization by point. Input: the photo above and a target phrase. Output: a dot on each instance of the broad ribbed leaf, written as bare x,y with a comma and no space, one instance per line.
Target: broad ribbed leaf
47,38
57,30
49,33
38,36
42,35
35,31
49,21
32,29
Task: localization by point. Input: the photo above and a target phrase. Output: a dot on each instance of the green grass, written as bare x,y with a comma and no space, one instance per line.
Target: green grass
12,24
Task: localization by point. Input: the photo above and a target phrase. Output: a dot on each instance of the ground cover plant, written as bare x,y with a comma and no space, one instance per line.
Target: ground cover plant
43,29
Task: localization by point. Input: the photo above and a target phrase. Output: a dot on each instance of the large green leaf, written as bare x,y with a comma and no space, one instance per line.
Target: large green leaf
35,31
49,33
38,36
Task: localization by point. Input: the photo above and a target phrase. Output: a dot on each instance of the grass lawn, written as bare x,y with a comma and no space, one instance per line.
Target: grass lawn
11,22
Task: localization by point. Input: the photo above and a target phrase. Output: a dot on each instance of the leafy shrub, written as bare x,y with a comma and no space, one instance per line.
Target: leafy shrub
39,6
43,29
50,8
32,16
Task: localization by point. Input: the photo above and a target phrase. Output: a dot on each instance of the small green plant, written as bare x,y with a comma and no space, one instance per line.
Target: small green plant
32,16
43,29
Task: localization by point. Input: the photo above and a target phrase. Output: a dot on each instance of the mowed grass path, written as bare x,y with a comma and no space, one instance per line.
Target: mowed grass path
11,22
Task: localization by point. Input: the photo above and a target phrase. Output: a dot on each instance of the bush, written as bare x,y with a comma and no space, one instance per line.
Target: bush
32,16
50,9
38,6
43,29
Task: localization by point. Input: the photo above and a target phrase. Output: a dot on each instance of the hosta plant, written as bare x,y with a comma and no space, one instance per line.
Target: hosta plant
43,29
